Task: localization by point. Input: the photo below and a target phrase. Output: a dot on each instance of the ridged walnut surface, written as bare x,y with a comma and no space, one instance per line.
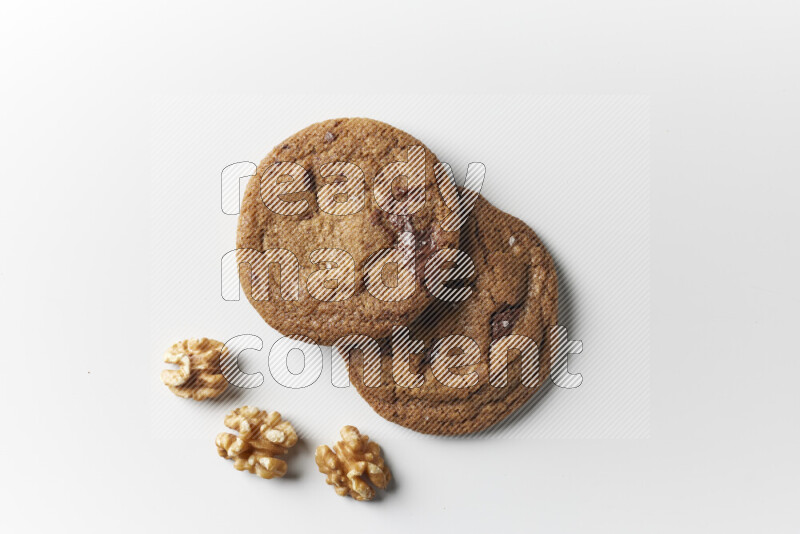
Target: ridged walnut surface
353,461
199,375
262,436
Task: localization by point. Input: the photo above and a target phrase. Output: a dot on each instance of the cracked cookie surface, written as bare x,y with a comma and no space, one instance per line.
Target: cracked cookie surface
514,292
370,146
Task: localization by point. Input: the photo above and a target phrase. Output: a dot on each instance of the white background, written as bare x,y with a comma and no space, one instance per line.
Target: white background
81,450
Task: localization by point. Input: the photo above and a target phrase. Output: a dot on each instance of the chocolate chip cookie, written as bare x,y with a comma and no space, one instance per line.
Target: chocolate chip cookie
316,217
451,385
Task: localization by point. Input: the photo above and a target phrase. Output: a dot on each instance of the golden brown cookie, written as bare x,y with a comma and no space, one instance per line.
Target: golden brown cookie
315,195
513,299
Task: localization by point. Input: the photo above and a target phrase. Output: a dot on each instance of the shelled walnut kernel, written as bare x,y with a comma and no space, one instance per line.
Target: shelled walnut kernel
353,460
199,375
262,436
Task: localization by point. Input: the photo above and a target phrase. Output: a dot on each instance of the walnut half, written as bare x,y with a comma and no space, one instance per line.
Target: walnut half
199,375
262,436
352,462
